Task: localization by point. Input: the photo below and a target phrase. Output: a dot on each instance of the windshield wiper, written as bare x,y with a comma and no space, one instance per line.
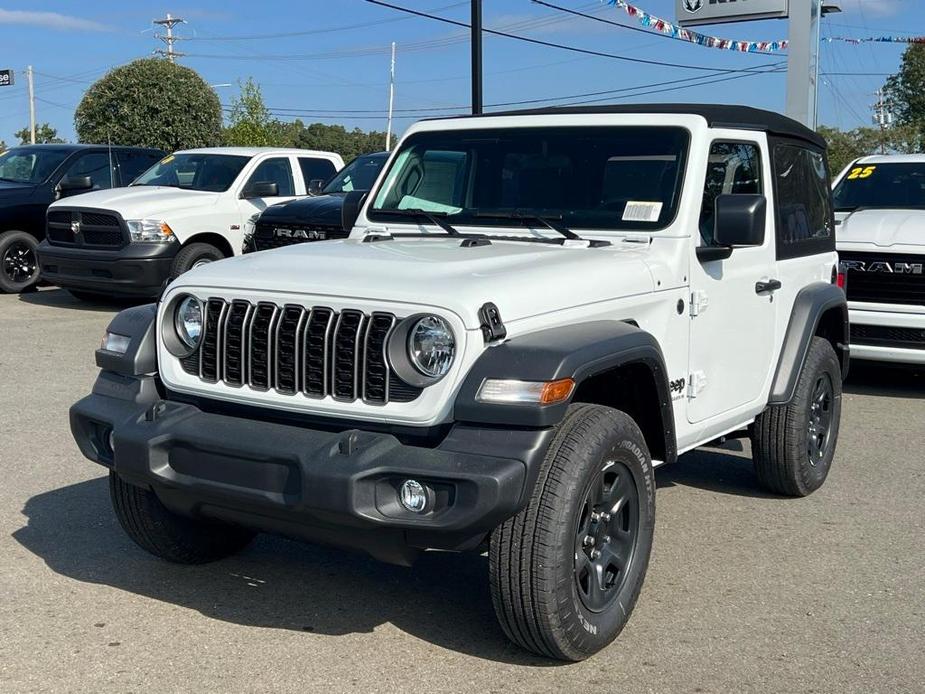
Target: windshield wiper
435,218
548,221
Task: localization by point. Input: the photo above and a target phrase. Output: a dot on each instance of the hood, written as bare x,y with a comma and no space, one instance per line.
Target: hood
318,209
522,278
139,202
882,228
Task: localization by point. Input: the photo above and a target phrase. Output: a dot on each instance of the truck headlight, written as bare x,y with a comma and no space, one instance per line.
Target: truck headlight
431,346
188,321
421,349
150,230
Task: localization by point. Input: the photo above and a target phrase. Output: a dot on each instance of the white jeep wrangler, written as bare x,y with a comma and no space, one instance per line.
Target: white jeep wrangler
533,311
879,213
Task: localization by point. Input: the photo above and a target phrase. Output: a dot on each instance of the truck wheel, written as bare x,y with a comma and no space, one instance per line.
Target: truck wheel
565,572
168,535
194,255
793,445
19,268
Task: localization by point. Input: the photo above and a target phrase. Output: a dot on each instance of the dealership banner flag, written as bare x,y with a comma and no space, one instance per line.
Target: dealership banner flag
663,26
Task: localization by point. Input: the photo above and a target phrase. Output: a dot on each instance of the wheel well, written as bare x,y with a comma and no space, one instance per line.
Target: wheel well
217,240
632,389
831,326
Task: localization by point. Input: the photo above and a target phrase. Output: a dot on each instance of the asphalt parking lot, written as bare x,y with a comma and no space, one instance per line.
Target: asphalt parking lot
745,592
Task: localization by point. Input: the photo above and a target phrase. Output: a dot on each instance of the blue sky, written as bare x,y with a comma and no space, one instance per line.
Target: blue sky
338,74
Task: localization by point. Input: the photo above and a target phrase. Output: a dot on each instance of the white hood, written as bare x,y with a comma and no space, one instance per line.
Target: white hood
523,278
882,228
141,202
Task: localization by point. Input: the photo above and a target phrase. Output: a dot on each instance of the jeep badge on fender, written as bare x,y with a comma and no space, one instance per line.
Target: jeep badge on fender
495,359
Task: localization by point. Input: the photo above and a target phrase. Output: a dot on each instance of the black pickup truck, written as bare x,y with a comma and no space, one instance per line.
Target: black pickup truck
34,176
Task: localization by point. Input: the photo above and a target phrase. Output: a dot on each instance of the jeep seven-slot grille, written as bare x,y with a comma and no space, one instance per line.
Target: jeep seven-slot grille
291,349
878,285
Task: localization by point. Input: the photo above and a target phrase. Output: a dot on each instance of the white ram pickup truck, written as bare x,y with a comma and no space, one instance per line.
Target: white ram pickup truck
880,217
533,311
191,208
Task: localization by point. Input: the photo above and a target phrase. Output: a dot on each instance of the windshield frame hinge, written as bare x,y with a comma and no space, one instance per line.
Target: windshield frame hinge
493,329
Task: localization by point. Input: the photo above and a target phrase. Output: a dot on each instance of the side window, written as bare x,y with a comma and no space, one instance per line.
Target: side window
805,222
133,164
276,171
95,165
313,169
733,168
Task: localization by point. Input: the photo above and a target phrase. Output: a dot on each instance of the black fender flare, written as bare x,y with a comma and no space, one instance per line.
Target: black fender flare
811,303
574,351
137,324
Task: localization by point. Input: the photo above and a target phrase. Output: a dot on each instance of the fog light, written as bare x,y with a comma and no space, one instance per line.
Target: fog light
413,496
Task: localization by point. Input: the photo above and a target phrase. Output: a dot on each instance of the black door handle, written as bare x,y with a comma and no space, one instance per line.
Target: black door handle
765,287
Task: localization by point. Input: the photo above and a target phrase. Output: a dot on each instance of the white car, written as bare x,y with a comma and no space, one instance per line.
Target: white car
532,312
191,208
880,213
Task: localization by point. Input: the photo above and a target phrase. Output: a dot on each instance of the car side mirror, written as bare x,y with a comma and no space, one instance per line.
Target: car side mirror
739,222
260,189
315,186
74,184
353,203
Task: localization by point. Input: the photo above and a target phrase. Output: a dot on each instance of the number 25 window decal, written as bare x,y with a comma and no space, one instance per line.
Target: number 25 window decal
861,172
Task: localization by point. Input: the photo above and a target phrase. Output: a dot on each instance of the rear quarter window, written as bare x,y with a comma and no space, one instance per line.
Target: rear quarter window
805,220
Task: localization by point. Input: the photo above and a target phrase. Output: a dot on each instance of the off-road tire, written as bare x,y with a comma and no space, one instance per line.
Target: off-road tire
781,436
192,254
168,535
11,242
534,556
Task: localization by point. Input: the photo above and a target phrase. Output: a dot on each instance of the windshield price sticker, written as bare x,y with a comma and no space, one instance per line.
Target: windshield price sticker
861,172
639,211
167,159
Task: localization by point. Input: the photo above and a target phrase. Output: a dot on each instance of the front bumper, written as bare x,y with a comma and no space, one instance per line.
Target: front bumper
337,487
888,336
135,270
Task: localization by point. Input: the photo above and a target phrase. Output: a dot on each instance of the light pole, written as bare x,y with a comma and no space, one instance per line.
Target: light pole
476,29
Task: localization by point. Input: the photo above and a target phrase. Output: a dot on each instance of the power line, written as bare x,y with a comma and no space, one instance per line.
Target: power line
551,44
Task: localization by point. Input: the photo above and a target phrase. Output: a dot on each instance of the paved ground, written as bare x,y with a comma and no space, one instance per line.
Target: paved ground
744,593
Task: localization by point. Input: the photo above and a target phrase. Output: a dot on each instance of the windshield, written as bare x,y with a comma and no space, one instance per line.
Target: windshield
207,172
588,177
30,164
881,186
360,174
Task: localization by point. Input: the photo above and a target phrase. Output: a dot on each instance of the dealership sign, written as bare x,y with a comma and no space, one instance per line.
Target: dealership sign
6,78
694,12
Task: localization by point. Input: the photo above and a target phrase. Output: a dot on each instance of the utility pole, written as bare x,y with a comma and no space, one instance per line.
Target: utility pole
476,42
31,105
168,38
388,130
883,117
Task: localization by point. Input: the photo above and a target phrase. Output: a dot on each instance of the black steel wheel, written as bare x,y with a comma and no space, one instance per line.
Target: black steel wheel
605,542
566,571
18,263
793,445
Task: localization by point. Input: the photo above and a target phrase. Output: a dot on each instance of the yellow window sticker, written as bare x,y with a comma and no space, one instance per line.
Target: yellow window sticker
167,159
861,172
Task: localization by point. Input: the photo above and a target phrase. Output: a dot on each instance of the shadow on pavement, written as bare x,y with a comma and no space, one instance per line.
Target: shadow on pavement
61,298
723,469
275,583
887,380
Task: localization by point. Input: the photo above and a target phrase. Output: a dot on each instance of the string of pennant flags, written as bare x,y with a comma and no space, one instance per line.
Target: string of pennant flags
663,26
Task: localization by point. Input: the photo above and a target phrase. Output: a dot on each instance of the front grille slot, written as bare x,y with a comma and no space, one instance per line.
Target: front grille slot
261,337
84,228
885,287
314,351
887,336
269,236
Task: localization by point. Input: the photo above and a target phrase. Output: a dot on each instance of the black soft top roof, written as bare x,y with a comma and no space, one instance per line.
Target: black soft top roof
75,147
716,115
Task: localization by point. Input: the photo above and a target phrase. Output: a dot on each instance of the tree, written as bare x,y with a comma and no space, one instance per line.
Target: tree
44,135
250,121
906,90
150,103
847,145
2,146
336,138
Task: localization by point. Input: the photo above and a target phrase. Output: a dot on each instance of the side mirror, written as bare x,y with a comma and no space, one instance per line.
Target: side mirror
74,184
349,213
260,189
315,186
740,220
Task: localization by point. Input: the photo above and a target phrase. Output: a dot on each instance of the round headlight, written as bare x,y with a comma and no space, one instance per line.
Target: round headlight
188,321
431,346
